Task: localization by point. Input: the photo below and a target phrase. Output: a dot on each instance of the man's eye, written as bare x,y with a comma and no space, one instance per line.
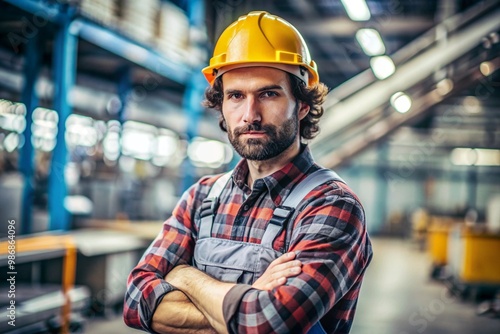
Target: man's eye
234,96
269,93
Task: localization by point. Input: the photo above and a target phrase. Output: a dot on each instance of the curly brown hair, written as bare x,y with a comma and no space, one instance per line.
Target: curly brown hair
313,96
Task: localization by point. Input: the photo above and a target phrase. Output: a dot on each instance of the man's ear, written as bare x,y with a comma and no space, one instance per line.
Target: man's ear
303,110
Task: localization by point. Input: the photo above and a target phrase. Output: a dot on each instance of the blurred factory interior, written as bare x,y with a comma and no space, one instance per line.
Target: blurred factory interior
101,130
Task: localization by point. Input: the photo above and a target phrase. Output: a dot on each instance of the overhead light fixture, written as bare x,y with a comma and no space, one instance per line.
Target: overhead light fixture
475,157
401,102
204,152
487,68
382,66
472,105
444,86
357,9
370,42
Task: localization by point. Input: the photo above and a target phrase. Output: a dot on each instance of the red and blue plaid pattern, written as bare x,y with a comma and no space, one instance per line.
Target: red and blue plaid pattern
328,233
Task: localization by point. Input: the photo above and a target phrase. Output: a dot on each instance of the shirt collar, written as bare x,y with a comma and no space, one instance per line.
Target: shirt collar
279,183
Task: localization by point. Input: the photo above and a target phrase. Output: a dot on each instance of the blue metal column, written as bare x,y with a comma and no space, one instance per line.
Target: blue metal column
32,64
193,96
124,89
65,53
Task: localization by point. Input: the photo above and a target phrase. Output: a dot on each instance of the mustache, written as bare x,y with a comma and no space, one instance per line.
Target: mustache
253,127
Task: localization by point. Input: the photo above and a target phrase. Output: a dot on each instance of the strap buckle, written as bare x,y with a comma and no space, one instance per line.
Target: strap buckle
281,214
209,206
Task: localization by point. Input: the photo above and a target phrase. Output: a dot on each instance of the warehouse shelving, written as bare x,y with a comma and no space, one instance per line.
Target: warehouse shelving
59,23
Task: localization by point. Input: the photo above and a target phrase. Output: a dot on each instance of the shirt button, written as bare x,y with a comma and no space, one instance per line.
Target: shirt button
246,207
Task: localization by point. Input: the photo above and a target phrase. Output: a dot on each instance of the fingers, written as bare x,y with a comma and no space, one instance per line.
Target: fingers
284,266
287,269
278,272
283,259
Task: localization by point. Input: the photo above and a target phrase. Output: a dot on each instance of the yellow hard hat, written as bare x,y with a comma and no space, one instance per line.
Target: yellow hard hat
262,39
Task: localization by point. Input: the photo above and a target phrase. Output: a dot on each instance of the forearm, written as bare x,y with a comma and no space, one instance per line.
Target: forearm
177,314
206,293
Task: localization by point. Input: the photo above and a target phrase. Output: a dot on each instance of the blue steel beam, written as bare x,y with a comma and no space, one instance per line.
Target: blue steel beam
40,9
64,65
124,89
32,65
136,53
108,40
193,95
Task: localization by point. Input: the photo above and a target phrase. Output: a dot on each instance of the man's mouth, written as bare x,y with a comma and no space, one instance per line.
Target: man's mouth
254,133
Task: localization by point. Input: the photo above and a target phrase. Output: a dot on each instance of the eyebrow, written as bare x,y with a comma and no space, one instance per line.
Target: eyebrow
262,89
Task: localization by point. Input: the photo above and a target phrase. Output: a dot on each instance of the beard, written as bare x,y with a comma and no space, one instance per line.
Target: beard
260,149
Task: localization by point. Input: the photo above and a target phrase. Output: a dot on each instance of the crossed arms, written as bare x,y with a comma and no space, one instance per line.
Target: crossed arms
197,305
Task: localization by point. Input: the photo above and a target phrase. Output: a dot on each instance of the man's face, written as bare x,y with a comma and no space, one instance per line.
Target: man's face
260,111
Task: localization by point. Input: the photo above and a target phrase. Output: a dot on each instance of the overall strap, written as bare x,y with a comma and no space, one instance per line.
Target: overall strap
210,204
283,212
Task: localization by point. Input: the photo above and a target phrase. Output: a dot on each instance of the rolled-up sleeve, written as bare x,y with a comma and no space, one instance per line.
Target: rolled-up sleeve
329,237
174,245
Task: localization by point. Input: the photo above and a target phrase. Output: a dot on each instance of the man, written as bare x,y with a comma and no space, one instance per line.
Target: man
216,266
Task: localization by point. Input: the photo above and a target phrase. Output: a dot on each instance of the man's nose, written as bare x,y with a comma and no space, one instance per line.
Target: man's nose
252,111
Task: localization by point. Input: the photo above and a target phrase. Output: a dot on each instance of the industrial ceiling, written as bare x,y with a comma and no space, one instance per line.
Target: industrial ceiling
445,55
446,58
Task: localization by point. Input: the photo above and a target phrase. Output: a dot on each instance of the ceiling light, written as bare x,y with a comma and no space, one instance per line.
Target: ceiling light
486,68
206,153
11,142
370,42
382,66
357,9
138,144
463,156
487,157
475,157
444,86
472,104
401,102
111,146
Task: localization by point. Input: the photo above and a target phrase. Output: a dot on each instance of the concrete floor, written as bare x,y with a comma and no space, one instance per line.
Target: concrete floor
397,297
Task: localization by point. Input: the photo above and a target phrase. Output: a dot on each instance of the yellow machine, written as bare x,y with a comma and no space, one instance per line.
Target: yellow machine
474,256
437,242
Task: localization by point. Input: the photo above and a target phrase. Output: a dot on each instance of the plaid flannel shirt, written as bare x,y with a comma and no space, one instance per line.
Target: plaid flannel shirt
328,233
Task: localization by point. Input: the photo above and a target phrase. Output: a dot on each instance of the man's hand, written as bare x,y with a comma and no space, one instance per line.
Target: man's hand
278,271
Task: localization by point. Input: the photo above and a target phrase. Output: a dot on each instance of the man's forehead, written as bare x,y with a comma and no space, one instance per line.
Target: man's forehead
257,75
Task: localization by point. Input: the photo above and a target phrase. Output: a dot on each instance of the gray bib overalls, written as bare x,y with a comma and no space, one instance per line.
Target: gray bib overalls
244,262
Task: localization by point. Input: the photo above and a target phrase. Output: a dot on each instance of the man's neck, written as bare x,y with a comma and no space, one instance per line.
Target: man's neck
261,169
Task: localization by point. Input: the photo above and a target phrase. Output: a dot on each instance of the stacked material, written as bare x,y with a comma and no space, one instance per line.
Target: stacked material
138,19
173,32
102,11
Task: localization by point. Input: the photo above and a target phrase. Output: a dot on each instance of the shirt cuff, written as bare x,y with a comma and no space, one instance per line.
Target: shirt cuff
231,303
148,305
